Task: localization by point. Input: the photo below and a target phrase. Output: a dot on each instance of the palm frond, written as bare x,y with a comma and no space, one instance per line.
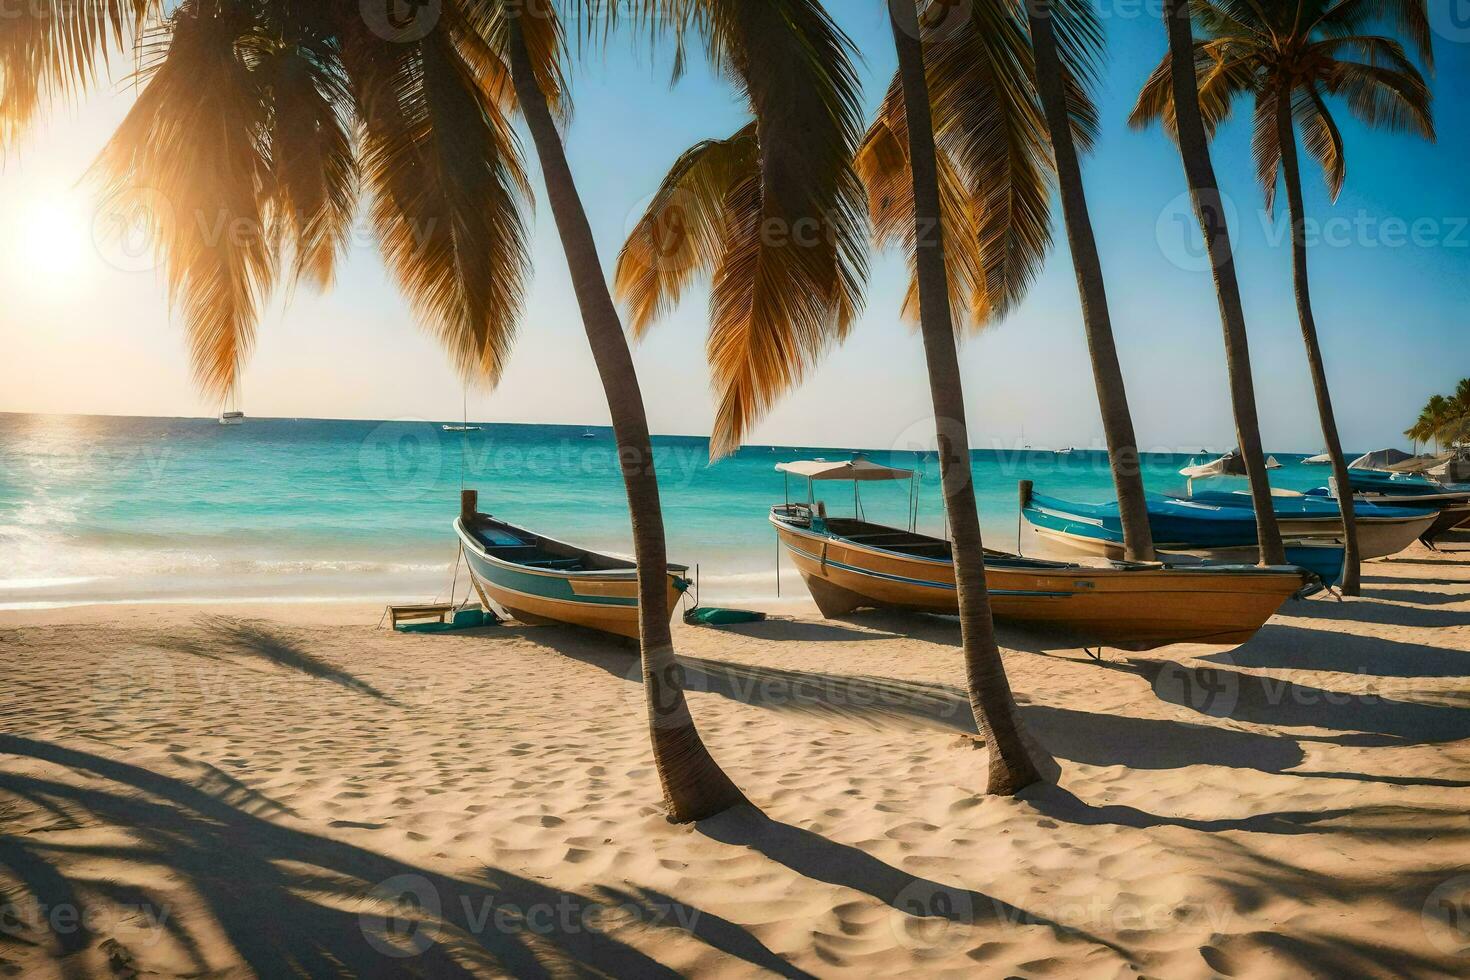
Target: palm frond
883,165
312,158
1222,72
478,28
190,156
682,232
443,166
1383,97
1323,140
1408,18
791,265
50,49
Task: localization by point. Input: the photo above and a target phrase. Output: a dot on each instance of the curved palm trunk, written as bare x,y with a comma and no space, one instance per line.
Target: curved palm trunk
1291,170
694,785
1011,766
1204,192
1112,396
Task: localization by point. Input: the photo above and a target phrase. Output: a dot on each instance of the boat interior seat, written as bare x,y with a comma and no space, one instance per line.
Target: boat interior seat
558,564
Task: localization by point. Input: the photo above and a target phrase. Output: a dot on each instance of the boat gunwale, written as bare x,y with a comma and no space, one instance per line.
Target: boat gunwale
468,539
1049,565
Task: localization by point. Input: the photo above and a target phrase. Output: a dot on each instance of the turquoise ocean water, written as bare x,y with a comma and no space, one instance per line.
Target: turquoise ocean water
117,509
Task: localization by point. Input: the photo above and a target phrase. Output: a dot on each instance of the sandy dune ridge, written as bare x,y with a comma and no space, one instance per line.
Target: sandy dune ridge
262,790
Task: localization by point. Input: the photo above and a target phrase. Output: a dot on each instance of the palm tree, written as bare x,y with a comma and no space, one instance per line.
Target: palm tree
245,127
1291,57
778,304
694,785
1056,83
1204,192
1011,765
1443,418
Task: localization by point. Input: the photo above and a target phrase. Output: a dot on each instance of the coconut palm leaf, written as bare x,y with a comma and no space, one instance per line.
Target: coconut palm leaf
50,48
882,163
191,157
774,214
1317,51
682,233
995,155
313,164
443,167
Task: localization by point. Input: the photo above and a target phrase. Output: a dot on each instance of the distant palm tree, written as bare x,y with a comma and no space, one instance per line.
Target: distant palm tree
259,124
1444,419
1291,56
1204,193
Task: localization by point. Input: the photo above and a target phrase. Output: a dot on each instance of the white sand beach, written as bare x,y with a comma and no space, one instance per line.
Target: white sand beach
277,789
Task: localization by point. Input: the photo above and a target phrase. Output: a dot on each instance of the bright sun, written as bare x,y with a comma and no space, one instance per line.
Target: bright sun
47,237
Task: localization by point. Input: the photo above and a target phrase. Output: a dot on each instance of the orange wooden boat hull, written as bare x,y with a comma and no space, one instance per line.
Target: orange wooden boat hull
1133,608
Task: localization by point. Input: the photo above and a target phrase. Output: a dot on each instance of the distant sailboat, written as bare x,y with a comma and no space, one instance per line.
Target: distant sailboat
588,434
466,427
230,414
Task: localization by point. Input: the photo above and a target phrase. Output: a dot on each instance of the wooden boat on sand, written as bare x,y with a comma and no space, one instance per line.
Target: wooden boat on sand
541,581
851,563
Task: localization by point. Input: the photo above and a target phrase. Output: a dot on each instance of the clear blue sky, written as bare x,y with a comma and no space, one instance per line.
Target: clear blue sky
80,334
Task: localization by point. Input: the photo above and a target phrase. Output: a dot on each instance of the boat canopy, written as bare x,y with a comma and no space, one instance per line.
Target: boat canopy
1380,460
860,470
1231,464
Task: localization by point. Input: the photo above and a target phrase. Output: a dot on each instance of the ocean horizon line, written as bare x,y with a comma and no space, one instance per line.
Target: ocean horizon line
1092,446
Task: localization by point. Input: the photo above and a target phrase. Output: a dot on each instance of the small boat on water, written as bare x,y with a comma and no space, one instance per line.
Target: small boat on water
1402,490
852,563
1190,528
1382,531
541,581
1231,464
588,434
230,413
461,428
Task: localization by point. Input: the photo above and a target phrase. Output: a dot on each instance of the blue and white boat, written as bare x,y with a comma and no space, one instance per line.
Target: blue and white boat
1187,528
540,580
1400,490
1382,531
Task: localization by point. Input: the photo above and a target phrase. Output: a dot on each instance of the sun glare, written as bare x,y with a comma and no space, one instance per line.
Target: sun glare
47,238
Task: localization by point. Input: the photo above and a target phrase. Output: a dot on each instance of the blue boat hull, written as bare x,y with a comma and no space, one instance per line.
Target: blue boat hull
1180,527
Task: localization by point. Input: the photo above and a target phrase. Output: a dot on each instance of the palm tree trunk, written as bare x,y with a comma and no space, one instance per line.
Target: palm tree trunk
694,785
1112,396
1204,192
1291,170
1011,766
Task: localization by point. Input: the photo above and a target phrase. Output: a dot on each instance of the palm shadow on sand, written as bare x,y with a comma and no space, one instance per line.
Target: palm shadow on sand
1095,738
229,636
1300,648
291,902
813,856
